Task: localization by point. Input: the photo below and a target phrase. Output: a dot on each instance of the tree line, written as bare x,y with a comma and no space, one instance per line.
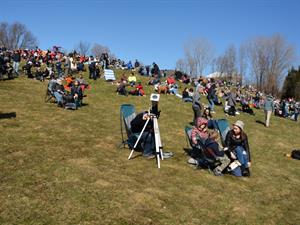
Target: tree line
263,61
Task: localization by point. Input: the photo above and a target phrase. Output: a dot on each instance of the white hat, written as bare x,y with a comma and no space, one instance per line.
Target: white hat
239,124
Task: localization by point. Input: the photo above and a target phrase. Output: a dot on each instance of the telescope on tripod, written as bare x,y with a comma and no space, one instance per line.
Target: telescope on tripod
153,115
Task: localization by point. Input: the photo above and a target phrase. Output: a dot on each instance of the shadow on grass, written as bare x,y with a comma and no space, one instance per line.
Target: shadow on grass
260,122
8,115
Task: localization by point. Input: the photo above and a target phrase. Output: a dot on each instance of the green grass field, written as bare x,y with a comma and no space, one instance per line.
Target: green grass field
64,167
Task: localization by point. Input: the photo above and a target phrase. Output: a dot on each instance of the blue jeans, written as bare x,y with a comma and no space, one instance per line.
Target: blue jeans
212,124
58,97
187,100
211,104
148,143
197,112
242,156
16,67
296,116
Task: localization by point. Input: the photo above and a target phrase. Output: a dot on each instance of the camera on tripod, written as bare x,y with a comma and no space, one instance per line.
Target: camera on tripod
154,98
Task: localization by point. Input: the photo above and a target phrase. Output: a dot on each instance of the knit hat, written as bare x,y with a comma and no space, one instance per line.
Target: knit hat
200,121
239,124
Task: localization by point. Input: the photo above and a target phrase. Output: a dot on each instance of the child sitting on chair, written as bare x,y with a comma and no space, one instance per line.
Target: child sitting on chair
215,152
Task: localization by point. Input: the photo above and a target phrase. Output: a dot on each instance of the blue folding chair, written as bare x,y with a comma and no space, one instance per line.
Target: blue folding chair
127,114
223,128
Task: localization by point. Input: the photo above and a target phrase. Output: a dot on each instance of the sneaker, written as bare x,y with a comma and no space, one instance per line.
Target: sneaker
151,156
192,161
217,172
245,172
168,155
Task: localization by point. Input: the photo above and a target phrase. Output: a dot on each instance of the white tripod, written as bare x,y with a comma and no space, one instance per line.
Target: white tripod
158,145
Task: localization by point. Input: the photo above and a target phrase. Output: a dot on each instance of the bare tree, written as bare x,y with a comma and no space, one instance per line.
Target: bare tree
282,55
270,58
191,63
98,50
231,63
242,62
16,36
198,53
227,64
83,47
258,54
181,65
220,65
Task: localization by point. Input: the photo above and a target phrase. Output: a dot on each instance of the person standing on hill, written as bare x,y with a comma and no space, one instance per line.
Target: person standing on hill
196,105
16,61
211,95
268,108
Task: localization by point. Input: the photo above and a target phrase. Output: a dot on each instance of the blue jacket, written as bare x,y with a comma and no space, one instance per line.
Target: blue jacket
269,104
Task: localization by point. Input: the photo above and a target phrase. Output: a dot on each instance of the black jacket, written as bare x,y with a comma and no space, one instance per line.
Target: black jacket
231,142
17,57
138,123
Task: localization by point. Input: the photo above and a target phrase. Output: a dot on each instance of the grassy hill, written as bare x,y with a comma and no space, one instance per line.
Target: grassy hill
64,167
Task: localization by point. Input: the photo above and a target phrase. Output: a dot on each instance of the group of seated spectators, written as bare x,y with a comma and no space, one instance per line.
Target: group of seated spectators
71,94
39,64
233,158
287,108
136,87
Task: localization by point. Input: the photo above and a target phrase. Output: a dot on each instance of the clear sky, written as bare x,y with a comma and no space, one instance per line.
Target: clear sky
153,30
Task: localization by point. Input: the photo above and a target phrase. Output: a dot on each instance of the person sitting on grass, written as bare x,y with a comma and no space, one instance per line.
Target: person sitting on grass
238,148
124,79
154,80
186,95
121,88
132,79
59,92
77,93
147,142
138,90
84,85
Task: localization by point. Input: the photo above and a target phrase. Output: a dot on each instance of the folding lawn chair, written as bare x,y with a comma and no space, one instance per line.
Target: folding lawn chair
127,114
109,75
50,91
223,128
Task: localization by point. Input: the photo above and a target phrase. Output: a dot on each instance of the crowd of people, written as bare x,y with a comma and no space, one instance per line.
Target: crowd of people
233,157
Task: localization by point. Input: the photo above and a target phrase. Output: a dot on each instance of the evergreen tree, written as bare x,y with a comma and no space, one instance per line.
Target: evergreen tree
291,87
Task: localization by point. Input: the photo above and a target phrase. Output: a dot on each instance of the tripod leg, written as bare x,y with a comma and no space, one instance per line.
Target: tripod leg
158,147
129,157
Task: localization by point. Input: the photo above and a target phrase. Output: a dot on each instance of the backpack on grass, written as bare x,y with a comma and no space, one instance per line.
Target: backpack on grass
295,154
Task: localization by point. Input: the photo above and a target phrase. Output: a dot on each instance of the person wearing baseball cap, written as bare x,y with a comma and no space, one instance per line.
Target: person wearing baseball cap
237,143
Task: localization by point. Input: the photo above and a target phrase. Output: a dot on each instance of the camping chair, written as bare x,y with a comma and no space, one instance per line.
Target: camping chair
109,75
127,114
223,128
206,161
50,91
